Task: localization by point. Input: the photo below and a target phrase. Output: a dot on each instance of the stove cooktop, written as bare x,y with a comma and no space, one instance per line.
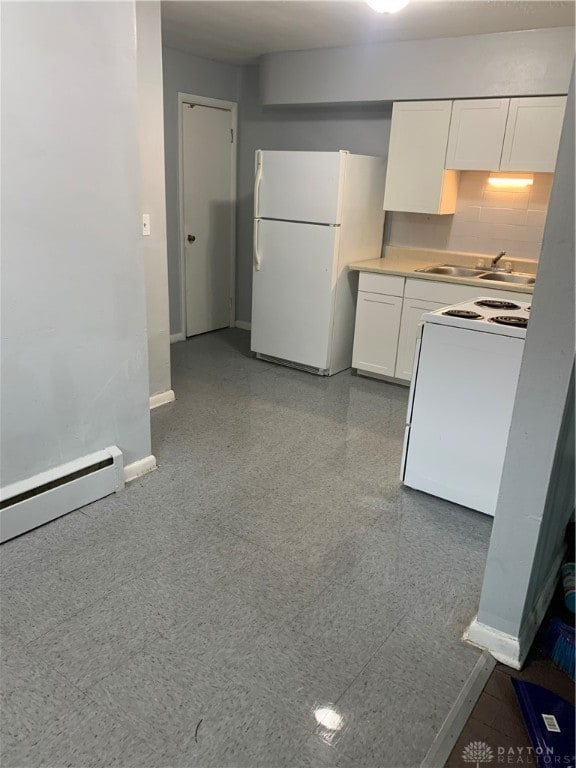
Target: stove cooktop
488,315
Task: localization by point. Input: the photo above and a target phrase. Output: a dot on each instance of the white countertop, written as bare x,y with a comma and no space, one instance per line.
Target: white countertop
406,261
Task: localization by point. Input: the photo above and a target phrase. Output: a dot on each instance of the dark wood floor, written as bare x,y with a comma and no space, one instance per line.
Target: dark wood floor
496,718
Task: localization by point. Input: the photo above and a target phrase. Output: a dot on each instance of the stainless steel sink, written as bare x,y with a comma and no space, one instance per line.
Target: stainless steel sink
448,269
496,277
508,277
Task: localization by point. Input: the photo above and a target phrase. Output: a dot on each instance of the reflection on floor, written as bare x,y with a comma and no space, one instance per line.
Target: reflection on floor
270,596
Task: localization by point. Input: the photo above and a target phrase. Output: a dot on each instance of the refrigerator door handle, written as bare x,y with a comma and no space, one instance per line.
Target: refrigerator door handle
255,245
258,181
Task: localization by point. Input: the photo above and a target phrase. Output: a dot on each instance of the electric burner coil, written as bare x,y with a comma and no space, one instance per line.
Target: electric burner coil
511,320
463,313
496,304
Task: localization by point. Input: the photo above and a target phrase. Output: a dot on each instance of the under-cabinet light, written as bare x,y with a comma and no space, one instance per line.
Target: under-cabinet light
512,182
387,6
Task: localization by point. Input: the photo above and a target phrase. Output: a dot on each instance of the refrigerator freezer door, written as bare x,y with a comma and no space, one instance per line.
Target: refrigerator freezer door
299,186
292,292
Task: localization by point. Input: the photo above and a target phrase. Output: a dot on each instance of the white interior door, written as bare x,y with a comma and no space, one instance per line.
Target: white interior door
299,186
207,200
292,292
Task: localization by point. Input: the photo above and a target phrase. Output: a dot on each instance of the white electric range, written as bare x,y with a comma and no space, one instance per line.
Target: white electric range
466,369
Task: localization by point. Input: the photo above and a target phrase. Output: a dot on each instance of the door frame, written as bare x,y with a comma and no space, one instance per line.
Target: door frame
204,101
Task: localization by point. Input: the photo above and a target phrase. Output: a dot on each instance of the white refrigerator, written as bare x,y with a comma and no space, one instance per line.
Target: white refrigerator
314,213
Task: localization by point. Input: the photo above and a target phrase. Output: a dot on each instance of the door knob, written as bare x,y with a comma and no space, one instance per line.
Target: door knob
191,238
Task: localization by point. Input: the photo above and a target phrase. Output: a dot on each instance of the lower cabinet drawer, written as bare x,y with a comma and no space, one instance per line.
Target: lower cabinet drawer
389,285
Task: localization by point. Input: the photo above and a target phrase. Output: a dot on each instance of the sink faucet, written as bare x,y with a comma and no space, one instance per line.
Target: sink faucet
495,261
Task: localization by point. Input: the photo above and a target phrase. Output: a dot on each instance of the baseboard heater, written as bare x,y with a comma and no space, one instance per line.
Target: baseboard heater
48,495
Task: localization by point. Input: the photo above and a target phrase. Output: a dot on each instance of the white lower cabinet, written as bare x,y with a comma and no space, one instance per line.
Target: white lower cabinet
412,311
376,335
388,314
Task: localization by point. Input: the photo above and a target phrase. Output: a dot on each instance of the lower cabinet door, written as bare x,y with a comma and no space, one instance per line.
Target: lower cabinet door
412,312
376,333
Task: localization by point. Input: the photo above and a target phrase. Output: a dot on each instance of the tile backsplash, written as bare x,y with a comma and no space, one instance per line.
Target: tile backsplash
487,220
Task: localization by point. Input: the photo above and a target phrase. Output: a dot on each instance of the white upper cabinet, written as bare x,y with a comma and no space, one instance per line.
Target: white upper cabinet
477,134
505,134
416,179
431,141
533,134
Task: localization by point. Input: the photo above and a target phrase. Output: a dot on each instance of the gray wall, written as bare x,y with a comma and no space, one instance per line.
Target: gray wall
525,63
153,191
363,129
185,73
74,348
537,489
559,504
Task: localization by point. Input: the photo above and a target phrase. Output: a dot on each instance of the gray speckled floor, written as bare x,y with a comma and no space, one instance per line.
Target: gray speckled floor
271,568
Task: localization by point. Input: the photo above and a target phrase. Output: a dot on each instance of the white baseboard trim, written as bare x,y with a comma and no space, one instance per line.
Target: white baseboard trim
162,398
509,649
456,719
245,326
504,647
139,468
174,337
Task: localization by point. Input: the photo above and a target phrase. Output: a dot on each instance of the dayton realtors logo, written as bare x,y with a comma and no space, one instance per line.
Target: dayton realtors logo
477,752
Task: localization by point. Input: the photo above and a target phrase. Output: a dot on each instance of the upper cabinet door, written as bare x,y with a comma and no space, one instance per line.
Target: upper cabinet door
533,134
476,134
415,177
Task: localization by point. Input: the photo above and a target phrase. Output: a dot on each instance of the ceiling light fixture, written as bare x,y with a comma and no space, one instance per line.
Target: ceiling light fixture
512,182
387,6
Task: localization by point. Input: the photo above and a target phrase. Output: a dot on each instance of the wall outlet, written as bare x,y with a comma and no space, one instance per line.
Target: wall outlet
480,263
145,224
508,266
